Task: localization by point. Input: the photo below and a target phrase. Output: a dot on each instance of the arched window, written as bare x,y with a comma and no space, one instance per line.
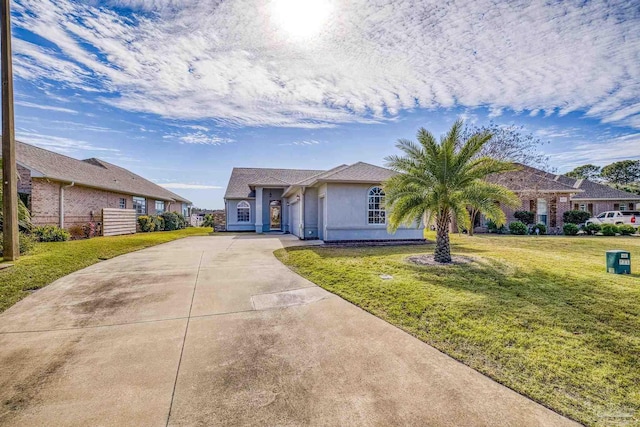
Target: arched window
244,211
376,213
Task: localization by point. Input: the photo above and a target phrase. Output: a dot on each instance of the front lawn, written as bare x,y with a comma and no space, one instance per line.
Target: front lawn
538,314
50,261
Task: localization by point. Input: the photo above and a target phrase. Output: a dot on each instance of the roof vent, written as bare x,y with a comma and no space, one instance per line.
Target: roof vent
95,162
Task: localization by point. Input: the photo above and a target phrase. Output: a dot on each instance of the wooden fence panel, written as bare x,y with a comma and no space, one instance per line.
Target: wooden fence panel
118,221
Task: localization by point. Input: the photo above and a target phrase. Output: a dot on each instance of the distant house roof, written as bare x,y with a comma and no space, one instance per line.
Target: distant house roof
528,179
93,173
243,179
532,179
595,191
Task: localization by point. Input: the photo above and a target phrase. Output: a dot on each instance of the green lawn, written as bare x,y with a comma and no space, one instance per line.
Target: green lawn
50,261
538,314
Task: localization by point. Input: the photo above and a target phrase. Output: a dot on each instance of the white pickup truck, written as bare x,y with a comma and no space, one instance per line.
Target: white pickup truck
616,217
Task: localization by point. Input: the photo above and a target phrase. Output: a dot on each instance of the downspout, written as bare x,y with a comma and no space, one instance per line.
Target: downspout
62,187
302,229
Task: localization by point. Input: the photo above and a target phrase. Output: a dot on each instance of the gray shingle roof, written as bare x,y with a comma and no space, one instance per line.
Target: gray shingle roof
242,178
531,179
360,172
594,191
94,173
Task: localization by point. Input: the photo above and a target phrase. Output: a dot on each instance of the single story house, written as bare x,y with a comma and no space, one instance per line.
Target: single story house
346,203
65,191
596,198
549,196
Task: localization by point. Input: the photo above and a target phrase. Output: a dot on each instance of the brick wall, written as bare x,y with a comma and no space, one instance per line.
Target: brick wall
79,203
529,203
599,206
24,180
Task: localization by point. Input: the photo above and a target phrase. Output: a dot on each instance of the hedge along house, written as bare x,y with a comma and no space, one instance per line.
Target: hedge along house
64,191
341,204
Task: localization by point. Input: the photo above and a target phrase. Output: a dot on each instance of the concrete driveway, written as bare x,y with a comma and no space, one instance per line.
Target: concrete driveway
215,331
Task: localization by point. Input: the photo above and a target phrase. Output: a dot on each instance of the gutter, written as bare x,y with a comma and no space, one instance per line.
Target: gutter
61,199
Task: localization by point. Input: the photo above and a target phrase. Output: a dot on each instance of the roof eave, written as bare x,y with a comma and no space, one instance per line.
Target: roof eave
111,190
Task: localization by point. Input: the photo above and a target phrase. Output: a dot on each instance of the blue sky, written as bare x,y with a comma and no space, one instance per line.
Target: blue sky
182,91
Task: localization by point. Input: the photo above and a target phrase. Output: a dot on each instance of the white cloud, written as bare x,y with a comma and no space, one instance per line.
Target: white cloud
57,143
187,186
304,143
228,61
199,138
599,153
45,107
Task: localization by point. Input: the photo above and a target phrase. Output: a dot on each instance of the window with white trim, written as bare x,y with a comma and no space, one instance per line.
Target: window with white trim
244,211
159,206
623,206
375,212
583,207
122,203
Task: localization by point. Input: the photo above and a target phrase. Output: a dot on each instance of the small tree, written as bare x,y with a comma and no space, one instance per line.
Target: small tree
526,217
510,144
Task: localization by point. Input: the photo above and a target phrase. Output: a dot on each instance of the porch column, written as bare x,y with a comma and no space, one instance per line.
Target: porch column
258,209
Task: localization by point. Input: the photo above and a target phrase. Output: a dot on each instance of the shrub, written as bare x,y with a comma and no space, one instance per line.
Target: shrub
493,228
518,227
592,228
182,222
542,229
570,229
89,230
146,223
208,221
171,221
609,229
77,231
159,223
526,217
51,233
626,229
25,243
575,217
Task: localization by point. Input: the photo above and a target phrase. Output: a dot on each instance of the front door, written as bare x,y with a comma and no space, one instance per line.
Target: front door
275,215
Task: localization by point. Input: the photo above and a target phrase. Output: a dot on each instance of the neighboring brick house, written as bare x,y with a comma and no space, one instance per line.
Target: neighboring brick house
65,191
539,192
550,196
597,198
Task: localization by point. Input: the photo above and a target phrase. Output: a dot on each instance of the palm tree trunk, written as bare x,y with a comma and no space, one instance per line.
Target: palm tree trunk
443,249
474,214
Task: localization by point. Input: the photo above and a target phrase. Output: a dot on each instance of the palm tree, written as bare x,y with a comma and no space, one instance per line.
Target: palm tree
439,181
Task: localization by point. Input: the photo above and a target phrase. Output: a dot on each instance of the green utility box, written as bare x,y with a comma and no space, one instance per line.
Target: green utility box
619,262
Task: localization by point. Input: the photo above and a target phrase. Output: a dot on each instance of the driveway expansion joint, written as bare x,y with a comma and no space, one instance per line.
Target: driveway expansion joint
184,339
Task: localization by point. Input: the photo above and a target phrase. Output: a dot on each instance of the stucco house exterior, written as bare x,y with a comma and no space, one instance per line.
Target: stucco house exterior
549,196
345,203
64,191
